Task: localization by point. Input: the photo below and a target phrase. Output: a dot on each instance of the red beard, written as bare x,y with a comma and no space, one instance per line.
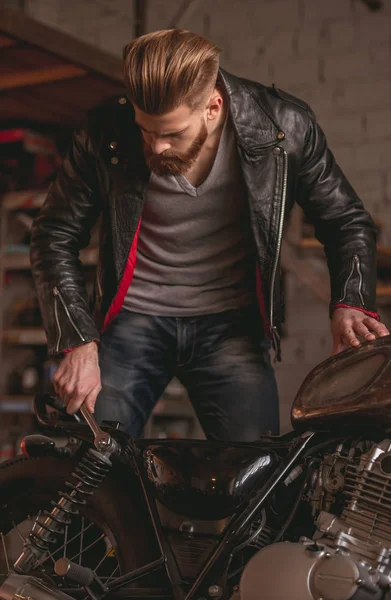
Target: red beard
176,164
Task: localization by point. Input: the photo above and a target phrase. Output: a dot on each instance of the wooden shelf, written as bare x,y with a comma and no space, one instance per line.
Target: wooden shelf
29,336
25,199
16,404
14,261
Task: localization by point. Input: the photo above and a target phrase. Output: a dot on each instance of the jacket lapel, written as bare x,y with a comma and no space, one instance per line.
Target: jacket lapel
258,137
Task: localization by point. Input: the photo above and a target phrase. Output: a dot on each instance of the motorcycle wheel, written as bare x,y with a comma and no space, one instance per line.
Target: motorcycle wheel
110,535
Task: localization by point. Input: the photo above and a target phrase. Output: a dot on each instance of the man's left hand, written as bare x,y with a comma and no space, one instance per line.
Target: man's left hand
348,324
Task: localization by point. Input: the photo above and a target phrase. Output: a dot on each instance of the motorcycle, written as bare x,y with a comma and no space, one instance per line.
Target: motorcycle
302,516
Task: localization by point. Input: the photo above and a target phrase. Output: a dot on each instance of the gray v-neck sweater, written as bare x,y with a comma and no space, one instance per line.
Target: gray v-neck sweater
195,252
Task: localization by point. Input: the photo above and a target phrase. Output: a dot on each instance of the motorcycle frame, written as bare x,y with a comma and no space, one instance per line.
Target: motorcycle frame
233,535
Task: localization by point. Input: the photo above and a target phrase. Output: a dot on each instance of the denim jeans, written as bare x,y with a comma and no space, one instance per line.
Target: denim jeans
221,359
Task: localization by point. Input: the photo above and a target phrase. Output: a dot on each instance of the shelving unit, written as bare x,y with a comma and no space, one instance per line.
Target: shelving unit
52,81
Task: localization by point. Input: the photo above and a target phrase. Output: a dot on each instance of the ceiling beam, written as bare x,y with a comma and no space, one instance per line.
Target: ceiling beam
15,24
37,76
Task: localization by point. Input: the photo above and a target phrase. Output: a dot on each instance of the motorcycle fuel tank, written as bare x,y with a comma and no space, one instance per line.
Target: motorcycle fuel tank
351,388
206,480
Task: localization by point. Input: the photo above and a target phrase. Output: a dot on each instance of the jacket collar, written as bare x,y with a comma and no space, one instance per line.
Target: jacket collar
255,128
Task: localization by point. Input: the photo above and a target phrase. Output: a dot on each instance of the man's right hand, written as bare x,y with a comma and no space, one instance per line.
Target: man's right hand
77,379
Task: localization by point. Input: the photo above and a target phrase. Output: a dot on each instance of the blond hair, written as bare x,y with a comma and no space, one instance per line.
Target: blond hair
167,68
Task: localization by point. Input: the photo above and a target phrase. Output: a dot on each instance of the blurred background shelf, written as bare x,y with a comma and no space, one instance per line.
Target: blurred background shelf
16,404
20,261
34,336
55,80
25,199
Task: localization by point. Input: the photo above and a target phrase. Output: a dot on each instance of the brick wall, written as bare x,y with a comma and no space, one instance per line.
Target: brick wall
335,54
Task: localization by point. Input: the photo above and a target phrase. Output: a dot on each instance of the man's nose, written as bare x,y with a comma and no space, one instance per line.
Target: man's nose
159,145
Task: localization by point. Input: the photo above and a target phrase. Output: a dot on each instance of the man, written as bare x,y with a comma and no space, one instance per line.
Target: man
194,174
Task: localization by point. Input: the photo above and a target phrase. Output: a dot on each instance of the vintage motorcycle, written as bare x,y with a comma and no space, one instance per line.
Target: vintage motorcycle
303,516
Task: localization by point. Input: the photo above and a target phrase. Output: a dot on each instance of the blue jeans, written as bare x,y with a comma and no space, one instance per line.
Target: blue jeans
221,359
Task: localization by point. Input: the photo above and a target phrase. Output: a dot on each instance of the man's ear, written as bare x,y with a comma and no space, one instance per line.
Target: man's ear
214,105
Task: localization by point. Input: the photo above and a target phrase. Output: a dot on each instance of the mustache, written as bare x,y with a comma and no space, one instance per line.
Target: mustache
161,164
175,163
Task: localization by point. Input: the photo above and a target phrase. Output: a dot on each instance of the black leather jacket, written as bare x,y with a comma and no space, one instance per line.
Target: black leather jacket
284,158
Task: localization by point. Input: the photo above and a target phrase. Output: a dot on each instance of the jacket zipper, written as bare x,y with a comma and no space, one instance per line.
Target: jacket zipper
355,263
57,294
273,328
59,333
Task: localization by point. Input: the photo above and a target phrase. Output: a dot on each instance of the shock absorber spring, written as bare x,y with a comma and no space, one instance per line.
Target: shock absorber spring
89,474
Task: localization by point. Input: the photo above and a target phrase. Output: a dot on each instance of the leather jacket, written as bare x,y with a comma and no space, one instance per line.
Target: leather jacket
284,158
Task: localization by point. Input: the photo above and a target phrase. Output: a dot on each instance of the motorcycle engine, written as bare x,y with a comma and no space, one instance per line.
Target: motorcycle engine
349,556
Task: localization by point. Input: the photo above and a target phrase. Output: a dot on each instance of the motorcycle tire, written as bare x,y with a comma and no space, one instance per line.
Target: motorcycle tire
117,507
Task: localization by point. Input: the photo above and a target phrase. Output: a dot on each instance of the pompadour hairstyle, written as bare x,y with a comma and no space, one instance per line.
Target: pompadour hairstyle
167,68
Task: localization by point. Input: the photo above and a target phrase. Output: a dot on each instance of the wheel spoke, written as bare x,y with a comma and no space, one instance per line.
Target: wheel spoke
102,559
5,551
65,541
81,553
63,545
81,539
90,546
113,573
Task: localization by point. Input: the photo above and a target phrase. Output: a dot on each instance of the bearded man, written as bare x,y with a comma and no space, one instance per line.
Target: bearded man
193,174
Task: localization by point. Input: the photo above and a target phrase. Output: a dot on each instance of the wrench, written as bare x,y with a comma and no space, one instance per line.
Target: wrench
102,440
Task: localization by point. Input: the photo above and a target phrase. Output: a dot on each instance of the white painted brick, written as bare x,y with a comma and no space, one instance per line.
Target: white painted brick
309,40
380,57
86,25
374,155
126,7
347,129
315,11
123,27
368,181
276,47
248,18
378,124
382,214
373,26
369,186
388,189
243,19
355,96
160,14
256,70
271,13
341,36
350,65
295,72
319,96
45,11
345,156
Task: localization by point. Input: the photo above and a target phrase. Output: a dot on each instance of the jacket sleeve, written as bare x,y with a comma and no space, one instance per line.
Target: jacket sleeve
342,225
60,231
